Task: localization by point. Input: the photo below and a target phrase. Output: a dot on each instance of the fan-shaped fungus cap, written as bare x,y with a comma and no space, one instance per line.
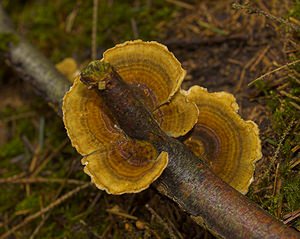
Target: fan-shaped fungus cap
177,117
221,137
148,66
68,67
115,162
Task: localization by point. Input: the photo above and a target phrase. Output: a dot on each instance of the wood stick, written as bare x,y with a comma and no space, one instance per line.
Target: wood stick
32,66
186,180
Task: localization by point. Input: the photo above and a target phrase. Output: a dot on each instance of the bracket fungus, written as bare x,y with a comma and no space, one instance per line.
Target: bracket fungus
116,161
228,144
120,161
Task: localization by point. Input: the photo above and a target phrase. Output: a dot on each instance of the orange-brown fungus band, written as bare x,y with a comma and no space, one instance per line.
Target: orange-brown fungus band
223,139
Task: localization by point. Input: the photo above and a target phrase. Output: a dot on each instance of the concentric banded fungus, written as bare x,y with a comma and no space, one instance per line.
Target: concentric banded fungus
178,116
229,144
116,162
148,66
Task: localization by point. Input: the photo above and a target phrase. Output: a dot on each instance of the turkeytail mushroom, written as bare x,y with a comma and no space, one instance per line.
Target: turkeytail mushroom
117,161
178,116
114,162
228,144
148,66
68,67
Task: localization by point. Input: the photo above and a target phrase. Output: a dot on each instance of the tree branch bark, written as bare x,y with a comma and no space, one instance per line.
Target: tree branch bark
186,180
33,67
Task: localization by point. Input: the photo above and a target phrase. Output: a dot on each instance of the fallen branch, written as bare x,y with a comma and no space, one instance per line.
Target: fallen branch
186,180
32,66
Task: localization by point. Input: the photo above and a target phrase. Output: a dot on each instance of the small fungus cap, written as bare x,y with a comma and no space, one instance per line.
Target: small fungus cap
148,66
68,67
177,117
223,139
115,162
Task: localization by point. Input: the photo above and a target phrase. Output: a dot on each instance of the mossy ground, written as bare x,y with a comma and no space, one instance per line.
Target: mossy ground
221,49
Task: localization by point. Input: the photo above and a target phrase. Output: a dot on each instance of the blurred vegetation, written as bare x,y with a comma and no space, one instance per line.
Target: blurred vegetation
66,26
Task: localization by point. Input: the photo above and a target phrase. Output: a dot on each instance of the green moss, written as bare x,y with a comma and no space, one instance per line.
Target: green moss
48,28
9,196
6,39
29,203
295,10
291,192
23,126
284,137
13,148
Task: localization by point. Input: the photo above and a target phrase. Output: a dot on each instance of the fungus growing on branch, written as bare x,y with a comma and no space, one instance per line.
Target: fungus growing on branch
118,160
149,67
228,144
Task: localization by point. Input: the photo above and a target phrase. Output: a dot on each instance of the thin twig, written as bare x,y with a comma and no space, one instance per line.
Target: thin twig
294,163
290,95
40,225
162,222
50,157
71,18
44,210
279,146
19,116
89,209
181,4
291,216
90,229
277,189
243,72
116,211
12,178
134,28
40,180
283,137
174,228
94,31
273,71
295,105
212,28
260,57
35,157
58,192
28,145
